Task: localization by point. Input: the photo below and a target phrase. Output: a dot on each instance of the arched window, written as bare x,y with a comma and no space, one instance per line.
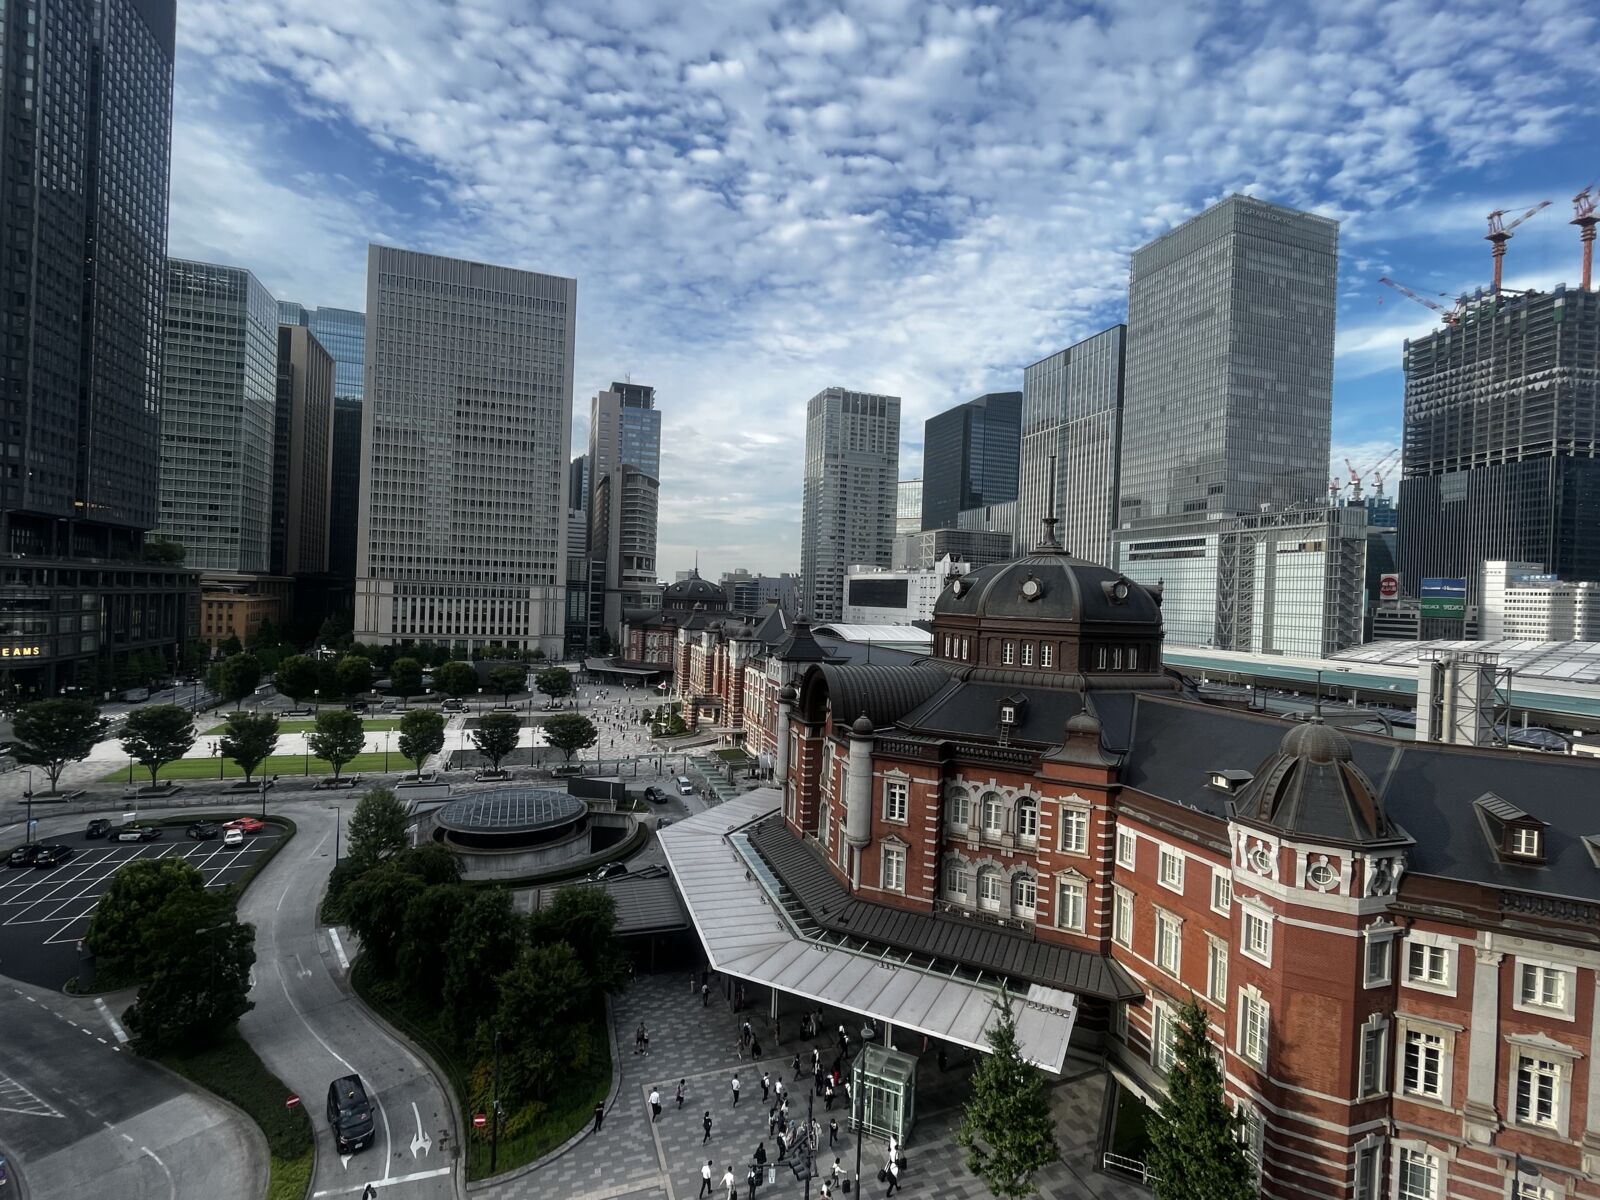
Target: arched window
994,814
1027,821
990,888
958,809
957,880
1024,896
1047,655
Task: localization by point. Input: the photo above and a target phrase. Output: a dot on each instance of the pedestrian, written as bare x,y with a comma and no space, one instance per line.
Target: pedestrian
705,995
816,1078
655,1105
755,1049
761,1154
777,1089
816,1058
796,1064
766,1086
728,1181
705,1179
772,1120
783,1145
894,1178
599,1115
827,1097
833,1133
639,1039
836,1172
746,1034
736,1089
827,1190
750,1178
842,1040
680,1094
707,1123
369,1193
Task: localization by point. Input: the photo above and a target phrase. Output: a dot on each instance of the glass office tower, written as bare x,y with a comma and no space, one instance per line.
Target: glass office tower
969,457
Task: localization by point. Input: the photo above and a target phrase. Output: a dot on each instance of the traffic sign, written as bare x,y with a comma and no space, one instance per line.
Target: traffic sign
479,1120
291,1101
1388,587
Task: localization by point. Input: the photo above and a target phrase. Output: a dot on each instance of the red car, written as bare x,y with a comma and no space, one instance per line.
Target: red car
247,825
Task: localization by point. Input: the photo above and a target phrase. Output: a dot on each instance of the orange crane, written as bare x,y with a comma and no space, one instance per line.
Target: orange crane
1448,314
1355,480
1500,233
1583,206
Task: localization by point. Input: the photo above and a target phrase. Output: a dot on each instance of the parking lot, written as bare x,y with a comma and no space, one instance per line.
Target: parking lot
43,912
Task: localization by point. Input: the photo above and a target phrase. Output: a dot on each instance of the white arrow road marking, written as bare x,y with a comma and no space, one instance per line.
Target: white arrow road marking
384,1183
344,1161
304,971
422,1140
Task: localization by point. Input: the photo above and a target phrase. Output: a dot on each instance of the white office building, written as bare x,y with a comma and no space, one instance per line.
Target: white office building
466,428
880,596
1521,602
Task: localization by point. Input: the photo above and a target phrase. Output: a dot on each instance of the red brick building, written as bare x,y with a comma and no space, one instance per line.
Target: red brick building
1397,943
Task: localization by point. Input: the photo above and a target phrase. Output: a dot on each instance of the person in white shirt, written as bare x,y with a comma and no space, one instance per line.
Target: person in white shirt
655,1105
705,1180
728,1181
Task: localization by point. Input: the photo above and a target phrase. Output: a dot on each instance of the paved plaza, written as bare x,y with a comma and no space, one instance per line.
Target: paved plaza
631,1158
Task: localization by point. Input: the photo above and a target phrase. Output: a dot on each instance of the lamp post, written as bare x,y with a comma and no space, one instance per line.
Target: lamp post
480,701
385,751
316,701
338,820
28,797
494,1116
263,797
216,749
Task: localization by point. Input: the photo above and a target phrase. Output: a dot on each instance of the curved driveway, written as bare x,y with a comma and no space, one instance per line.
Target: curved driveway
310,1029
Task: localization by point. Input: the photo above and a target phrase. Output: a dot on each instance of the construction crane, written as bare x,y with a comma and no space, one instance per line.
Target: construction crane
1355,480
1583,206
1449,314
1500,233
1380,470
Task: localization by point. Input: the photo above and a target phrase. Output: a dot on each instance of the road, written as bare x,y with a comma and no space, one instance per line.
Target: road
309,1028
79,1117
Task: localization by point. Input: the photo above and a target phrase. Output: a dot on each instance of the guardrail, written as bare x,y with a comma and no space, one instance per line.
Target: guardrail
1131,1167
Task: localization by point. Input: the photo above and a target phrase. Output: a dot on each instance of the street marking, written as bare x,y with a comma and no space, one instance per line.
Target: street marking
344,1161
116,1026
338,949
387,1181
171,1187
422,1139
14,1098
302,970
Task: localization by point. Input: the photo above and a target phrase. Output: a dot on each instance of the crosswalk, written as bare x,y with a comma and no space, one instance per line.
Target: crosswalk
14,1098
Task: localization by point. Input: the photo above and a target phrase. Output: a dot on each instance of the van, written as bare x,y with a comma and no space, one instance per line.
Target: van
685,788
349,1114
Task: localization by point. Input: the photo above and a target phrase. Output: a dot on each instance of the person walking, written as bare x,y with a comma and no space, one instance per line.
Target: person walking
783,1145
655,1105
755,1050
893,1170
736,1089
836,1172
833,1133
705,995
728,1181
599,1115
816,1059
827,1190
761,1154
680,1094
796,1064
707,1123
772,1120
827,1097
778,1089
751,1177
766,1085
816,1078
369,1193
705,1179
640,1039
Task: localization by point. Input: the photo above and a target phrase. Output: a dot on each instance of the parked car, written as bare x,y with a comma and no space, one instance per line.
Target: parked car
204,831
454,706
50,856
349,1113
685,788
233,837
609,871
24,856
136,833
97,828
247,824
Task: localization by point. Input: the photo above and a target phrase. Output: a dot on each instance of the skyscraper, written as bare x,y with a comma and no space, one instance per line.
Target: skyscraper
1228,394
343,334
466,423
969,457
852,470
218,416
1502,442
908,507
87,128
623,472
1072,414
302,459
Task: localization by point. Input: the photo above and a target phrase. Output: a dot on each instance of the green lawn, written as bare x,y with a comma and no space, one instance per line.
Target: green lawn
278,764
374,725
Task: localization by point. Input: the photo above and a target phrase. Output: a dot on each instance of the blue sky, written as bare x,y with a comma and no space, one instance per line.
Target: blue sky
762,199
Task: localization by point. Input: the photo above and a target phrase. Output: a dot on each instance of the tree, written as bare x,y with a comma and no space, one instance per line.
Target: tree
160,550
249,739
298,677
196,981
483,944
570,731
230,646
506,680
53,733
405,678
377,829
123,919
157,735
194,656
430,915
542,997
600,644
585,919
238,677
455,678
335,629
266,636
1006,1128
375,906
337,738
421,735
355,675
496,736
554,682
1195,1151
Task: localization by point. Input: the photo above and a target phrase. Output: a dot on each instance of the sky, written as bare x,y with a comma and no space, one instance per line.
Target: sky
763,198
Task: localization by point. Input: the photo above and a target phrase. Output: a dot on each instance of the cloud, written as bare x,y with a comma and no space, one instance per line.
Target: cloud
763,199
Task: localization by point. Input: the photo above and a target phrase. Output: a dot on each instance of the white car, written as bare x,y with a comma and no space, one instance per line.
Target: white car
233,836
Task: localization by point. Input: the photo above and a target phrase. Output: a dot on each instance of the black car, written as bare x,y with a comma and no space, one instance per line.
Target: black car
50,856
204,831
136,833
349,1113
24,856
655,795
97,828
609,871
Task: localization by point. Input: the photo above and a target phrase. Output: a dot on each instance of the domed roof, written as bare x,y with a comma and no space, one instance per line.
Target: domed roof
691,591
1312,787
1050,585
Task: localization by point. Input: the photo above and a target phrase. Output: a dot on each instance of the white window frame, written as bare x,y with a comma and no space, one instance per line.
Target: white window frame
893,878
999,900
1541,1065
1378,942
1122,917
1008,653
1421,1043
1169,943
1252,919
1221,890
1431,964
1169,868
1127,848
1073,837
1027,654
1372,1062
1020,885
959,812
1545,974
1047,655
1526,841
1216,970
1426,1160
1028,813
1369,1170
1252,1134
897,801
1255,1027
1078,890
957,870
1163,1037
997,802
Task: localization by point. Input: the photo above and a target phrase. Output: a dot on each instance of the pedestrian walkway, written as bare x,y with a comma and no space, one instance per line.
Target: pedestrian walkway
631,1158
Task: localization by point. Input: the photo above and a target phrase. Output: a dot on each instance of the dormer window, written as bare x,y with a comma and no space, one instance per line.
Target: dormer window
1008,714
1011,710
1230,781
1516,836
1527,842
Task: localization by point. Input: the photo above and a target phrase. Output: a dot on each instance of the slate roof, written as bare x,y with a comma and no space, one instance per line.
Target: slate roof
880,691
973,944
1427,790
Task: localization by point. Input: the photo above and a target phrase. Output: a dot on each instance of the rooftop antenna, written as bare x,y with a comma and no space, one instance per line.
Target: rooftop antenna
1049,542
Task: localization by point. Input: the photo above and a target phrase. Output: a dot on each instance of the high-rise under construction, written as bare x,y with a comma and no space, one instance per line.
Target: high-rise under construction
1502,440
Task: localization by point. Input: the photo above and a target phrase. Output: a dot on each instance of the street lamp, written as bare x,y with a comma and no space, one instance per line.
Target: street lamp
216,748
263,797
480,701
385,751
338,820
28,796
316,701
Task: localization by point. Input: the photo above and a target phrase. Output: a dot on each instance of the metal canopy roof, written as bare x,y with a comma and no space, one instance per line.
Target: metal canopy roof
734,901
